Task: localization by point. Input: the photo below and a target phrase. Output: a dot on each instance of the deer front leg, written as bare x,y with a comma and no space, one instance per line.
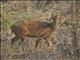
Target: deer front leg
49,42
37,43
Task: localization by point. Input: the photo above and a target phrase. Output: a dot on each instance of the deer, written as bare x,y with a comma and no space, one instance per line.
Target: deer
34,29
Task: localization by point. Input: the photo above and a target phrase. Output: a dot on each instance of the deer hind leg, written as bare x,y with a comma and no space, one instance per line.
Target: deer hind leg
14,40
21,41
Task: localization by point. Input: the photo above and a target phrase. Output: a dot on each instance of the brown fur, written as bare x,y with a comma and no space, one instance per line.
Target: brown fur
33,29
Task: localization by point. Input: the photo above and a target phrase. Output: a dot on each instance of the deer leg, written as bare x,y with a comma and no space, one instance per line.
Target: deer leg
22,44
21,41
37,42
48,41
14,40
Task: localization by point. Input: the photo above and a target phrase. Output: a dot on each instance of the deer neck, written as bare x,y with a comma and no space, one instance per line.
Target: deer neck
53,24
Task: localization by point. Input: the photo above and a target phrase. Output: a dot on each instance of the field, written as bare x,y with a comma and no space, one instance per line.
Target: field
65,39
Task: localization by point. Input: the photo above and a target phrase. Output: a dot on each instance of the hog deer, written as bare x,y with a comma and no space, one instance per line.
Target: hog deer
35,29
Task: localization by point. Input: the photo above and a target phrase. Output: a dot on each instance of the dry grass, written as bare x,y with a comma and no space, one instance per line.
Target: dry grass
66,39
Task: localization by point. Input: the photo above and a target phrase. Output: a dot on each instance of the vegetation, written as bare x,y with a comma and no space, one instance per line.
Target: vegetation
66,39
